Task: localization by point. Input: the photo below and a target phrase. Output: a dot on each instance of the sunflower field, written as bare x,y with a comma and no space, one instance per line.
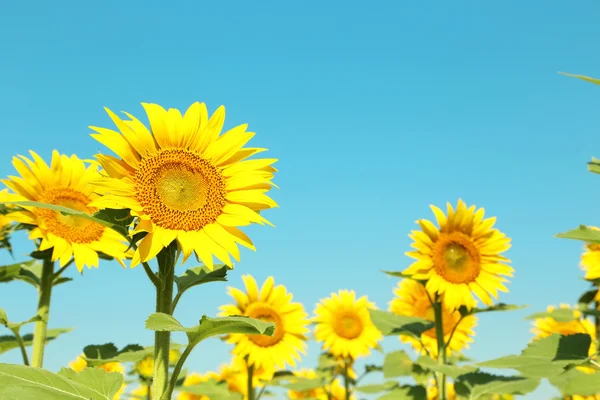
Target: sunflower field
179,190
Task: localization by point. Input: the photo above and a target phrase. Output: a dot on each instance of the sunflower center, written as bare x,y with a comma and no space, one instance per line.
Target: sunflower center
347,324
71,228
456,259
179,190
265,313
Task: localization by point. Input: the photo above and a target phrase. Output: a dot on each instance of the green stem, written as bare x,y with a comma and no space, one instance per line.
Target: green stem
60,271
149,391
177,370
346,380
162,340
439,330
261,392
597,321
21,346
43,310
250,383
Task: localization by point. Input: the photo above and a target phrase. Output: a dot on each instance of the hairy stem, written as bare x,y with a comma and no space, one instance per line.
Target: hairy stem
43,310
162,340
250,383
346,380
177,370
441,359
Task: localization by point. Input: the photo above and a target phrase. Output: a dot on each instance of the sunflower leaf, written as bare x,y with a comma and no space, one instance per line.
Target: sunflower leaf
452,371
104,353
104,217
408,392
582,233
27,383
23,271
477,385
9,342
397,363
594,165
582,77
497,307
377,387
587,298
213,390
574,382
300,384
547,357
391,324
401,275
199,275
559,314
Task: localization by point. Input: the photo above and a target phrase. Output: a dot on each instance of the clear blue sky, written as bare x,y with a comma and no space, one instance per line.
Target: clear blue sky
375,112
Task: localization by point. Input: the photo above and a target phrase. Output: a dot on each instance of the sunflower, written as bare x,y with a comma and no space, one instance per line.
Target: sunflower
578,397
544,327
433,393
344,326
460,259
337,391
145,367
185,182
141,392
192,380
66,182
5,222
317,393
411,299
79,364
590,261
235,374
272,304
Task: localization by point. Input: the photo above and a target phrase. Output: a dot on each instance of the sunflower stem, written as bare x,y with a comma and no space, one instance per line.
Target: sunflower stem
177,370
43,310
346,380
162,340
21,346
441,359
250,383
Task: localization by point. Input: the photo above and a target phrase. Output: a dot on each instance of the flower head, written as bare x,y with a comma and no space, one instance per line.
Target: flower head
184,181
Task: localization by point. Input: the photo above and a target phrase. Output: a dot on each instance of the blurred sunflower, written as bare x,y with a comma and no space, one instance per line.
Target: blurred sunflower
141,392
193,379
462,258
337,391
235,374
344,326
590,261
317,393
145,367
79,364
66,182
5,222
273,304
184,181
433,393
578,397
411,299
544,327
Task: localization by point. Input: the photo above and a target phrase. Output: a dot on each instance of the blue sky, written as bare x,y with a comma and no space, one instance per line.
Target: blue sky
375,112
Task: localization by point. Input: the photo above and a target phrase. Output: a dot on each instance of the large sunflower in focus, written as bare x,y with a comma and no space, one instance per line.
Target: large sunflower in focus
412,300
343,325
193,379
273,304
544,327
461,258
184,181
66,182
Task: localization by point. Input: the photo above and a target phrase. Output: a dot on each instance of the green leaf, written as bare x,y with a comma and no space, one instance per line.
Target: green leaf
9,342
391,324
23,271
498,307
109,218
211,326
406,392
582,233
452,371
582,77
397,363
594,166
213,390
480,385
108,352
587,298
559,314
546,357
574,382
401,275
377,387
303,384
27,383
199,275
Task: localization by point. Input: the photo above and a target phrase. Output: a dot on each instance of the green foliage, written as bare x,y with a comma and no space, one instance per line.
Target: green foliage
208,327
213,390
559,314
498,307
108,352
408,392
392,325
452,371
27,383
199,275
582,77
546,357
301,384
575,382
582,233
377,387
594,166
396,364
477,385
401,275
9,342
